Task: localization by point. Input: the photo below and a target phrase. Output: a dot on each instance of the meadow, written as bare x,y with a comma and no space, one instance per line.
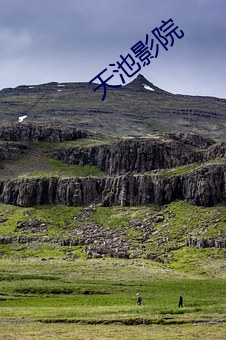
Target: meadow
96,299
50,291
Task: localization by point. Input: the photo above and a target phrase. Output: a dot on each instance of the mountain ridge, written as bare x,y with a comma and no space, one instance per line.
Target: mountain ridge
139,81
131,110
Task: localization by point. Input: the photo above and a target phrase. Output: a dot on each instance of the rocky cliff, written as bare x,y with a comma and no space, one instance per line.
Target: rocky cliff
134,169
11,151
205,186
191,139
132,155
215,151
38,132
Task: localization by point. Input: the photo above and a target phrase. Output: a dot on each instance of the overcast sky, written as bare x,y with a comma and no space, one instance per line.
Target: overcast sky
74,40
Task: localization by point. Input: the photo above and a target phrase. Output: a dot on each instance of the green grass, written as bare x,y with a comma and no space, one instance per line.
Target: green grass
66,290
181,221
37,163
178,170
55,297
204,261
31,330
119,217
60,169
12,216
55,216
87,142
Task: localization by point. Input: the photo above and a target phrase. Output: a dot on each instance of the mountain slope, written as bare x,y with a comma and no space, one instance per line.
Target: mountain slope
132,110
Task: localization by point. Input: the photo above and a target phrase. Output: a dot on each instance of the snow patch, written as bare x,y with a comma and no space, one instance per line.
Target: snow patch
61,85
59,90
148,87
31,87
21,118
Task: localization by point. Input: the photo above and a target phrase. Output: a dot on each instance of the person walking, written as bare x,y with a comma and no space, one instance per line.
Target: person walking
180,301
139,299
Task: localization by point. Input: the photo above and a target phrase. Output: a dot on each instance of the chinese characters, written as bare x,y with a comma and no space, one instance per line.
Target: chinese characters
142,54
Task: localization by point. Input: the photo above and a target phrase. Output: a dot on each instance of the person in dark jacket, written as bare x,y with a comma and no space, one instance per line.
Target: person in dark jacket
139,299
180,301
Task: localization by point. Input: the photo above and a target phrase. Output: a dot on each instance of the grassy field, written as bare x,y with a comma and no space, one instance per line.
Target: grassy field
52,291
110,332
96,299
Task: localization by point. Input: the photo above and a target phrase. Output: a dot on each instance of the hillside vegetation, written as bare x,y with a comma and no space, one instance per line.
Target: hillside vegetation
87,221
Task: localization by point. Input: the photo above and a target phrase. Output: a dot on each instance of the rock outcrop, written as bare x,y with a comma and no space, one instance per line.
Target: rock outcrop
139,155
218,242
11,151
191,139
215,151
98,241
133,168
205,186
37,132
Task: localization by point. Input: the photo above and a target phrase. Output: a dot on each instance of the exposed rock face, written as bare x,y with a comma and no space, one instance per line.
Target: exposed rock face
218,242
33,225
6,240
9,151
35,133
216,150
131,155
205,186
125,162
192,139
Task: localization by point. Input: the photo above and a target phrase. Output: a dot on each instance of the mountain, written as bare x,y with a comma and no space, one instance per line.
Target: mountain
139,108
72,183
100,200
90,195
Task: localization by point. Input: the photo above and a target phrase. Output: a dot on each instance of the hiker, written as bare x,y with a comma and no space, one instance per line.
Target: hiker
180,301
139,299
